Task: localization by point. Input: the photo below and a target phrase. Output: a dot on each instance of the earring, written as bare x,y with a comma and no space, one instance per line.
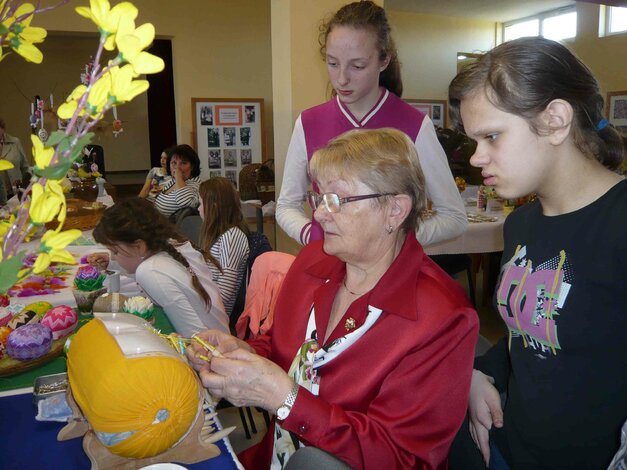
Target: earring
389,229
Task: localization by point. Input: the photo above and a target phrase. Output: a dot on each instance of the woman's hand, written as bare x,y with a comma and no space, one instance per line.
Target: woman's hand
484,409
223,342
99,260
246,379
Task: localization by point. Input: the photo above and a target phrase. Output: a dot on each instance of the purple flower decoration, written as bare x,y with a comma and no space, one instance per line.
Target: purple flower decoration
88,278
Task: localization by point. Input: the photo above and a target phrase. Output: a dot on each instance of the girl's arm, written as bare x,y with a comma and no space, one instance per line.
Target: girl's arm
290,213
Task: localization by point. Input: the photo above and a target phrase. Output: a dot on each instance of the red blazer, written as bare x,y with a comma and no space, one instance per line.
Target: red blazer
395,398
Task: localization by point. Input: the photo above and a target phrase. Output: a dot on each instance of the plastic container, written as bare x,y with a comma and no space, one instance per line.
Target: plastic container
47,386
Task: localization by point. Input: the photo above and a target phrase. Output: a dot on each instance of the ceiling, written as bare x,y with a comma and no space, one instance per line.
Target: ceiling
488,10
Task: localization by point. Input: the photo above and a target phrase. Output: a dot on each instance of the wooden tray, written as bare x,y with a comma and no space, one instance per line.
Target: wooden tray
10,366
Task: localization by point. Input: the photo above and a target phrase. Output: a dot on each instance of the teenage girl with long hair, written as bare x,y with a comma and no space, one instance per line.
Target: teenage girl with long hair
364,70
224,234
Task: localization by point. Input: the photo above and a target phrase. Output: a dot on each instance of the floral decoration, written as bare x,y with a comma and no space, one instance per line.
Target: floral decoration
106,87
88,278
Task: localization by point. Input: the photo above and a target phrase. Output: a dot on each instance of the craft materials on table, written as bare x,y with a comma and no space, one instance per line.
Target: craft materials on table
50,281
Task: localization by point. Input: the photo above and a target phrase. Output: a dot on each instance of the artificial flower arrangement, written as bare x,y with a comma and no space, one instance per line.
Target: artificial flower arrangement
140,307
109,85
88,286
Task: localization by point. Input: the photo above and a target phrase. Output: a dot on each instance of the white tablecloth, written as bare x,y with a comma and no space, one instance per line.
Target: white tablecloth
479,237
65,296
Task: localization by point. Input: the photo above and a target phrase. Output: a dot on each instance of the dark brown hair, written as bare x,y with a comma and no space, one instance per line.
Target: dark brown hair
135,219
370,16
523,76
222,210
185,153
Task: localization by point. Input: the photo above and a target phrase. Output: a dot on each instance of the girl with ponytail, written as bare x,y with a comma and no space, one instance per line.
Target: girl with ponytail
364,71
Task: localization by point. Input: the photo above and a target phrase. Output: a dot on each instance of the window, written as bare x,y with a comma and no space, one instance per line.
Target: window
555,24
616,20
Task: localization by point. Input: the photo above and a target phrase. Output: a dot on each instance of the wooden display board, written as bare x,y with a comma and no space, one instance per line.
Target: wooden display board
228,134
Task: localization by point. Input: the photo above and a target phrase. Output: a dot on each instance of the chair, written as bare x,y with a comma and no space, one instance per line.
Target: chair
258,244
178,216
190,226
312,458
453,264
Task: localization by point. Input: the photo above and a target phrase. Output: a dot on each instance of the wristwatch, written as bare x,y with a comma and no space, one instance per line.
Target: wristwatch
284,410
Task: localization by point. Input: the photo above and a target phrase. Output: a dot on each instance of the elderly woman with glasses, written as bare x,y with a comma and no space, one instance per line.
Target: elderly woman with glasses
370,355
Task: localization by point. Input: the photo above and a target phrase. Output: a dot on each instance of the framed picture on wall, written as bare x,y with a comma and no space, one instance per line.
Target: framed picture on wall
617,109
228,134
436,109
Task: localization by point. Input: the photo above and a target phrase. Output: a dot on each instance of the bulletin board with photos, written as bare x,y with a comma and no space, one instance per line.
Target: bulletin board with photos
435,109
228,135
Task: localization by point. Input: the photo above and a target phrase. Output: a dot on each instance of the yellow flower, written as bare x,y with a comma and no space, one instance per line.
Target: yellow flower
52,249
123,87
99,95
107,18
47,202
5,226
67,109
43,155
22,36
131,43
5,165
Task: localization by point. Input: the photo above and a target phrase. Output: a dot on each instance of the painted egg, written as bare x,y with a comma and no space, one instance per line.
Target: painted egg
29,342
40,308
23,318
61,320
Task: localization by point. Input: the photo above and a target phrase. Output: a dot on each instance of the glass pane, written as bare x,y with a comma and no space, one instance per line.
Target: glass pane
560,27
519,30
618,19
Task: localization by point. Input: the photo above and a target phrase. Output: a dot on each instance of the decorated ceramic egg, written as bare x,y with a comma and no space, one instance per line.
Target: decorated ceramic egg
40,308
23,318
29,342
61,320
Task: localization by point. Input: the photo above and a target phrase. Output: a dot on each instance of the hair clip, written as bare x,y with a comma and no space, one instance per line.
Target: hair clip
602,124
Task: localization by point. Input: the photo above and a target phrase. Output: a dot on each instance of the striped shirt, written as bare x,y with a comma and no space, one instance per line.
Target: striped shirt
231,250
169,203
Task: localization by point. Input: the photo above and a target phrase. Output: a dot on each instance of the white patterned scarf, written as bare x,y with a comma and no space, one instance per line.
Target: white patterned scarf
309,358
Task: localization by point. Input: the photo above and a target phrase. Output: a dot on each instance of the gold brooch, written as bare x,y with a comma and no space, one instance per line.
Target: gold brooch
350,324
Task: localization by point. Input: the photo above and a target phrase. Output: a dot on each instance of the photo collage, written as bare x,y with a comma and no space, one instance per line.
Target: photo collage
229,137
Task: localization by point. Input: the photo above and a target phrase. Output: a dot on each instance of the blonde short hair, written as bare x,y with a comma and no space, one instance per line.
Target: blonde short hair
385,160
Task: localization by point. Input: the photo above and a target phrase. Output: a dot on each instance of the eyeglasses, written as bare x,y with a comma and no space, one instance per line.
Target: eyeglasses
333,203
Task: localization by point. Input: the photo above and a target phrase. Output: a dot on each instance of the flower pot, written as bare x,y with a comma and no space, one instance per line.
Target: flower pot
85,299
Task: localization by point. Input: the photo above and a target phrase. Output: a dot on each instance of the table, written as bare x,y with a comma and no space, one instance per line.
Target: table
479,237
27,443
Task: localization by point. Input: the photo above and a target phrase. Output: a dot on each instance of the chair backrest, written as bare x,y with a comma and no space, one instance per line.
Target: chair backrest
182,213
266,281
190,226
258,244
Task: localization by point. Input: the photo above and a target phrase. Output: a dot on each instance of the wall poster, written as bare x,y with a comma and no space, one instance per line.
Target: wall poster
228,134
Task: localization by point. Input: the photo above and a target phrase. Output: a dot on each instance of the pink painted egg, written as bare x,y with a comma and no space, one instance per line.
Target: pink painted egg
61,320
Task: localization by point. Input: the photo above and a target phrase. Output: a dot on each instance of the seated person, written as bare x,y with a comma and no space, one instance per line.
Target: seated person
182,190
157,178
225,235
166,266
370,354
